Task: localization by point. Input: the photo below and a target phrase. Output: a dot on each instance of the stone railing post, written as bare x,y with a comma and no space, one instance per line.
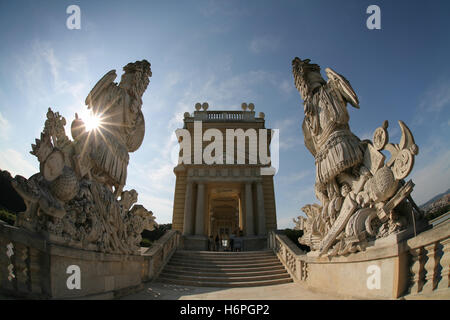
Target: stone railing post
430,268
298,268
160,252
416,270
289,256
445,264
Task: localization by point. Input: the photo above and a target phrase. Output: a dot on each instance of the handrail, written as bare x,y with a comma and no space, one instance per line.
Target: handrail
290,255
441,219
160,253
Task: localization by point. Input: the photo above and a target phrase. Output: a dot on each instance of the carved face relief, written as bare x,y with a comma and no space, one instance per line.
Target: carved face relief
53,166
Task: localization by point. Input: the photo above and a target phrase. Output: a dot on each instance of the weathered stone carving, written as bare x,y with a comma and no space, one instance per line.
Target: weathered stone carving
362,197
73,200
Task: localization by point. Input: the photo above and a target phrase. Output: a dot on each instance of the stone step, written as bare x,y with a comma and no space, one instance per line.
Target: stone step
243,278
223,258
221,273
224,262
225,253
225,269
182,263
225,284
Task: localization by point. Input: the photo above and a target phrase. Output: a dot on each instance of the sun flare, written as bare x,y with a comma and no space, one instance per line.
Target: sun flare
91,121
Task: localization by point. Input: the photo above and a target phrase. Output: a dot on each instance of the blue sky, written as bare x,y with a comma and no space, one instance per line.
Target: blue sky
226,53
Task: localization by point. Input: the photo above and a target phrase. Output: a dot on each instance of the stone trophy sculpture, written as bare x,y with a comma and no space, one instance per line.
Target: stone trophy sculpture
362,196
74,199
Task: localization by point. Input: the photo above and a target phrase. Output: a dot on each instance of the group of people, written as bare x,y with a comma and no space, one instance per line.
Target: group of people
225,242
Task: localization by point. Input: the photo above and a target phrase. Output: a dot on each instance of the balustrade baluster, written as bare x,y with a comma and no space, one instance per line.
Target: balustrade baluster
416,270
444,282
430,268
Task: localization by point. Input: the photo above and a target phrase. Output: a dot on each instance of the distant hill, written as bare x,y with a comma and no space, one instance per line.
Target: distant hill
434,199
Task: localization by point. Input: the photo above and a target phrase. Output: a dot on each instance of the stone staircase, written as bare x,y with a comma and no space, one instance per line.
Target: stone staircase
224,269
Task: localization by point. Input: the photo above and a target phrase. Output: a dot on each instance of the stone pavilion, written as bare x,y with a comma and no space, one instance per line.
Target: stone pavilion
224,199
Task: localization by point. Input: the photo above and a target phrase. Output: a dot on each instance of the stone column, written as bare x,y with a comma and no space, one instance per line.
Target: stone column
261,212
250,231
200,212
187,224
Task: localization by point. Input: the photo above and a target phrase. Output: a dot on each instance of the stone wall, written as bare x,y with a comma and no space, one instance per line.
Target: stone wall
31,267
413,267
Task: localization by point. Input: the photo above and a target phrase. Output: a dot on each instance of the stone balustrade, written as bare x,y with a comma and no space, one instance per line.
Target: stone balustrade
224,116
33,267
290,255
416,267
430,260
157,256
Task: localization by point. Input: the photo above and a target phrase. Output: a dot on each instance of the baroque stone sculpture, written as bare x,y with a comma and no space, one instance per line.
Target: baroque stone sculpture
362,196
74,199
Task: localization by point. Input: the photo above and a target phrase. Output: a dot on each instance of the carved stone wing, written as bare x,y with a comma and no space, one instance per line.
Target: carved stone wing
342,85
99,88
309,143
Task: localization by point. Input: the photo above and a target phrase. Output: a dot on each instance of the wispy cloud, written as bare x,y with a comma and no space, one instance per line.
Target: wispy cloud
290,133
287,87
225,8
160,206
285,222
437,97
40,64
434,177
15,163
265,43
294,178
433,101
4,127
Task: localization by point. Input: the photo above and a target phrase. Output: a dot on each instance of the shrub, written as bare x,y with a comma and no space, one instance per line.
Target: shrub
437,213
293,235
146,242
7,216
157,233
